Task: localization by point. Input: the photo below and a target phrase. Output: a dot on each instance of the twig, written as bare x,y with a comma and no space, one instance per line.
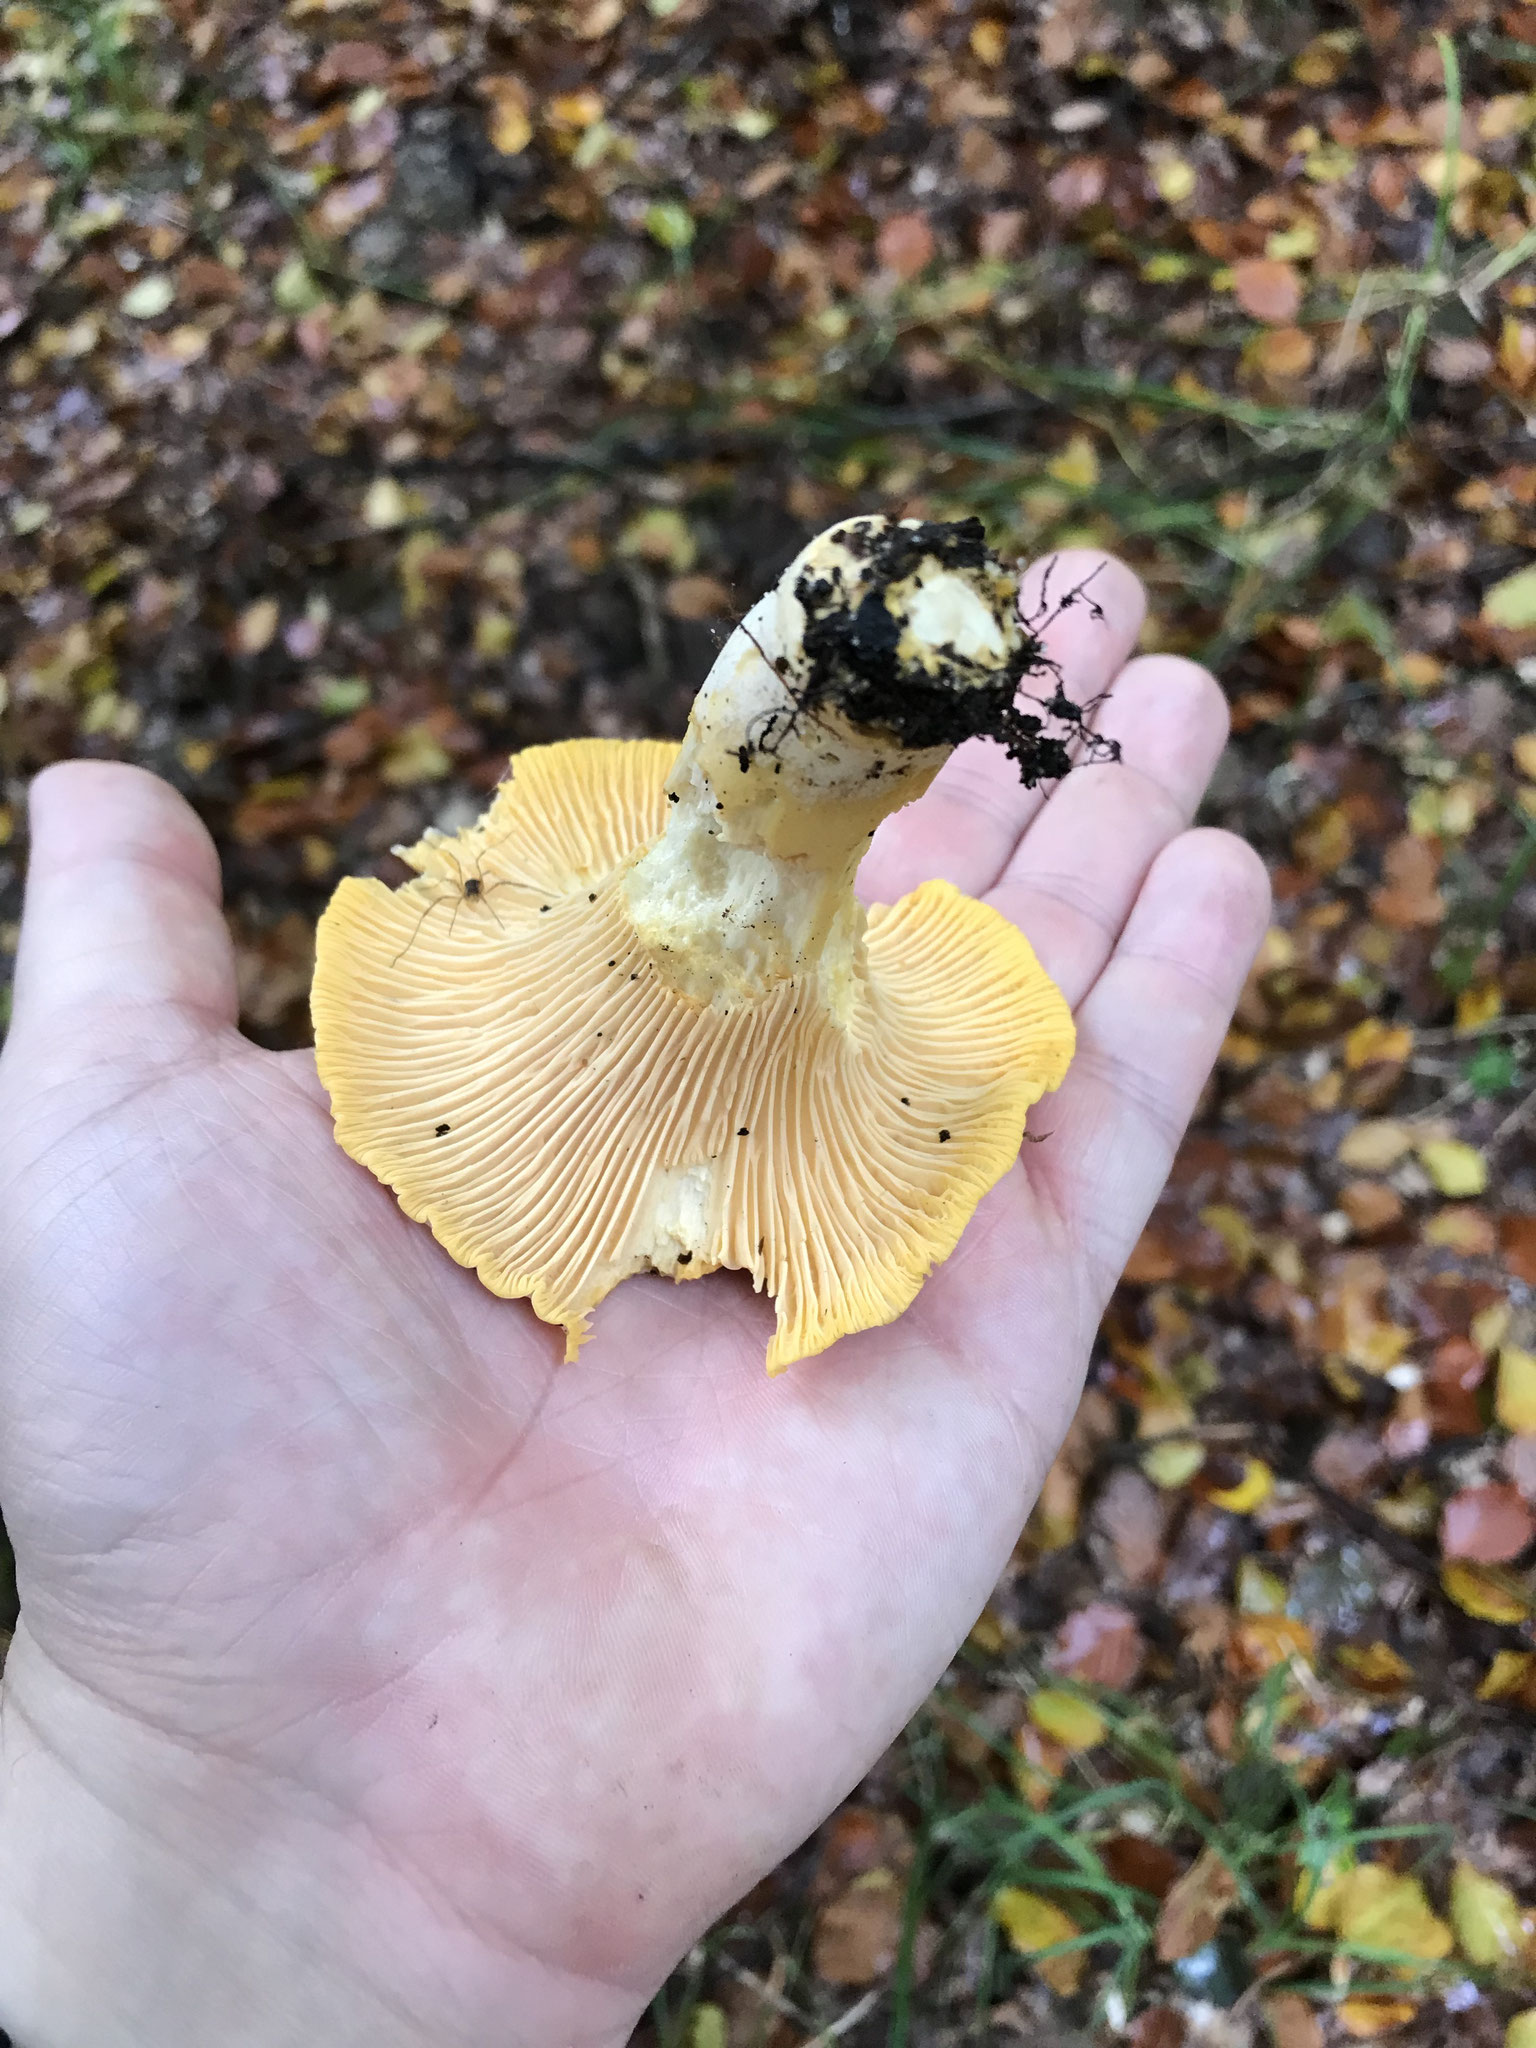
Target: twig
1456,1034
1517,1120
849,2020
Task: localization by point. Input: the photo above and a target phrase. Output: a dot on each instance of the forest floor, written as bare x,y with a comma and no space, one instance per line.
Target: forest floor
388,385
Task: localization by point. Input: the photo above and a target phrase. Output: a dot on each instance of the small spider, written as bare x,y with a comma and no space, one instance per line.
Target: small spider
468,888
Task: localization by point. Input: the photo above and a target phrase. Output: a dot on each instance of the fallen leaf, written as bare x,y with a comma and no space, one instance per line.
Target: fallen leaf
149,297
1260,1642
1364,2017
1521,2031
1250,1492
1457,1169
1508,1675
1067,1718
698,597
384,504
1466,1231
1491,1925
1489,1524
1031,1924
417,756
1374,1667
905,245
1370,1206
1514,1401
1100,1644
1409,897
1512,603
1373,1907
858,1934
1159,2026
1486,1592
1144,1865
1442,168
1292,2021
1374,1147
660,535
256,626
1195,1907
1267,289
1130,1513
1373,1040
510,126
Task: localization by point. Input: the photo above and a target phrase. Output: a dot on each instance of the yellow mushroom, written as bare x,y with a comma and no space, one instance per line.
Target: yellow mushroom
635,1018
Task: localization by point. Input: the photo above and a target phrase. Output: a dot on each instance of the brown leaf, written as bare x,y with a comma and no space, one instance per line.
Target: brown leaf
859,1932
1145,1866
905,244
1517,1237
1371,1206
1489,1524
1408,897
1160,2026
1195,1908
1292,2021
698,597
1101,1645
351,64
1131,1513
1267,289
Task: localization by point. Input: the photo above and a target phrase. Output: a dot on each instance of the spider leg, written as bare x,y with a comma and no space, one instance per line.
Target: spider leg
415,929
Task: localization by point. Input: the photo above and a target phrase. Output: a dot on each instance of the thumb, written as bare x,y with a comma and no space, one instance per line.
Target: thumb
121,913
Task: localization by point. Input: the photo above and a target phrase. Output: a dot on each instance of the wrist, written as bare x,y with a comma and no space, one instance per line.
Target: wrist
153,1895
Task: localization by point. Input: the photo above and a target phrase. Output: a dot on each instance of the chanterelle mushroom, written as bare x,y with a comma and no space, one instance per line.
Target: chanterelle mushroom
635,1016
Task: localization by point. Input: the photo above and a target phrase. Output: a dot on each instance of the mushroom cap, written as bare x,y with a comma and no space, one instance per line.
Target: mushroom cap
500,1050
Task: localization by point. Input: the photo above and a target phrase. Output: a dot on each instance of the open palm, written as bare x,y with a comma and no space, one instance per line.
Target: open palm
381,1679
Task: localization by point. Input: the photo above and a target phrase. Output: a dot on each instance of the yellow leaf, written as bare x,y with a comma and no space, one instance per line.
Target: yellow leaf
1524,753
1376,1667
384,504
1068,1719
1485,1591
1375,1146
1173,177
1317,1895
1172,1462
1365,2017
1512,603
1031,1924
1077,466
1490,1923
510,126
1478,1005
1507,1674
1379,1909
709,2028
1372,1041
1521,2031
1250,1492
1439,166
1259,1591
661,535
1514,1404
417,756
1234,1230
1456,1169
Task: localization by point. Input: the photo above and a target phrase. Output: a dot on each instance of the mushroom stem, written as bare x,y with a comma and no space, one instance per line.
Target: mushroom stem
836,701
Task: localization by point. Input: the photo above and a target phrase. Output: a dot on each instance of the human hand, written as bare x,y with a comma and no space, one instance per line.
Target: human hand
381,1679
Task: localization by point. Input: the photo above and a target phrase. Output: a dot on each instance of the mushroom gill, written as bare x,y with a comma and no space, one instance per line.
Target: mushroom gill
635,1017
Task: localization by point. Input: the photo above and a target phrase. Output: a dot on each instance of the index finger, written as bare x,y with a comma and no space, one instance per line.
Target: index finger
967,825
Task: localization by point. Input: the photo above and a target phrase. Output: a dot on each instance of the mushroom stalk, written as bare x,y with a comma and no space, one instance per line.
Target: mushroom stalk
835,702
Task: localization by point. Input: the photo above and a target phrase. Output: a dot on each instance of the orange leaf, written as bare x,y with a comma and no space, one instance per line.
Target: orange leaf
1267,289
1195,1907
